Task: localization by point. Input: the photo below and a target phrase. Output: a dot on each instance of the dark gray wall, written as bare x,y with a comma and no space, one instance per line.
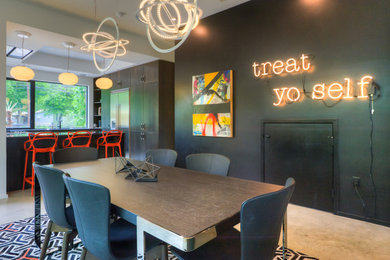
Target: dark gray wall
347,38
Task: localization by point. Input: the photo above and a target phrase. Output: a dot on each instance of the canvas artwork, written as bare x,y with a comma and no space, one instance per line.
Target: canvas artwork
212,96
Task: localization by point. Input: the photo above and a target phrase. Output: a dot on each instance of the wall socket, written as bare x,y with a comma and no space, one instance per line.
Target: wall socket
356,181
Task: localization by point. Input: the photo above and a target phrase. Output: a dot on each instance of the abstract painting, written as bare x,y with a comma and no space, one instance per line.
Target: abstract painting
212,96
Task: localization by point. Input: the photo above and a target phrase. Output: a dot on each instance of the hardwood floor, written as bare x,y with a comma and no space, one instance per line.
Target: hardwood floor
316,233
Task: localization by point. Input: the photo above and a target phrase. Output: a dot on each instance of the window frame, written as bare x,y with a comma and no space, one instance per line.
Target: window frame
32,105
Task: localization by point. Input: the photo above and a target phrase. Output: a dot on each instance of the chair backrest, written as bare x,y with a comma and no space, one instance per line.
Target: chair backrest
113,136
208,162
78,139
53,190
44,141
76,154
91,206
261,221
165,157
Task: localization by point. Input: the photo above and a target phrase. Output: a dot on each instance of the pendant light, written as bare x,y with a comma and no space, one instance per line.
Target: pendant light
104,83
22,73
169,20
104,44
68,78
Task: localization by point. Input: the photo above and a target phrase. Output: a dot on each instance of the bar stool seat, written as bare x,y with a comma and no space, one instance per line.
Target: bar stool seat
44,142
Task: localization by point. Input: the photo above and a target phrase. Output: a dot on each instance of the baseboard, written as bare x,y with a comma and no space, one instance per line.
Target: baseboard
358,217
3,196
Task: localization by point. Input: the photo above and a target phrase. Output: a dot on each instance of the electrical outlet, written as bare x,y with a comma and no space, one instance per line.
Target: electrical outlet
356,181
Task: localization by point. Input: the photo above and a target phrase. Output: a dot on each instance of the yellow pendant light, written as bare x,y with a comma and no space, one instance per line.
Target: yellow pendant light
68,78
104,83
22,73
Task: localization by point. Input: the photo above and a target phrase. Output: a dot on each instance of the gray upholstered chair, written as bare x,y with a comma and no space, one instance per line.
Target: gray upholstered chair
105,240
261,221
61,216
165,157
75,154
208,162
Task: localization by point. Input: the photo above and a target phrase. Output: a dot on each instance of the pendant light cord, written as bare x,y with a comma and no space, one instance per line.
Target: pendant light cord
67,67
95,8
22,48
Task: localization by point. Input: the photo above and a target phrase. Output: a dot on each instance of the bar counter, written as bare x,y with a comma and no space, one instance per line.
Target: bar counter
16,153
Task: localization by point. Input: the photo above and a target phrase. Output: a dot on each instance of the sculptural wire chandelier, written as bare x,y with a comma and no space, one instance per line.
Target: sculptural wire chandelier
169,20
104,44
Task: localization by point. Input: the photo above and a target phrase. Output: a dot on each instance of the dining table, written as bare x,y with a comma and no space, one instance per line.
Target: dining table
183,208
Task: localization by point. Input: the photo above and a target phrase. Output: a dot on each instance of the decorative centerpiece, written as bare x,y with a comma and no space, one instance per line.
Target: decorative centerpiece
144,172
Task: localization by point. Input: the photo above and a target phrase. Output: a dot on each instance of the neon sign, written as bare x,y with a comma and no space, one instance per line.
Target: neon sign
321,91
291,65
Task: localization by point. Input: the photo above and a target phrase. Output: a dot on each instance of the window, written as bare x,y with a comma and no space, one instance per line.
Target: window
53,105
58,105
18,104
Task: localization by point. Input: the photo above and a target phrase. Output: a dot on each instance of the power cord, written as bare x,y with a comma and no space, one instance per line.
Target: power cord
371,111
364,205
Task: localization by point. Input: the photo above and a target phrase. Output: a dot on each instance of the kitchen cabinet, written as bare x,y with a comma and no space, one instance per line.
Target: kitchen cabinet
151,108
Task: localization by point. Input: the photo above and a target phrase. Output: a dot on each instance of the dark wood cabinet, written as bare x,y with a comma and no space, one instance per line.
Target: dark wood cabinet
151,105
151,108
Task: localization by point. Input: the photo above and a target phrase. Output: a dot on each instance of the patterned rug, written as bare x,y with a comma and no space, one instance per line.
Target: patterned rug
17,242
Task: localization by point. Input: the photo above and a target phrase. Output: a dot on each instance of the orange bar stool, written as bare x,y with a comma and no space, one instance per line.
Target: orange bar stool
77,139
44,142
112,139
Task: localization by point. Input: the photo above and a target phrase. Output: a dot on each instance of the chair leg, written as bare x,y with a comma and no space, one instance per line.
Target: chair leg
46,241
120,151
113,151
159,252
106,151
32,175
25,169
83,254
65,245
284,234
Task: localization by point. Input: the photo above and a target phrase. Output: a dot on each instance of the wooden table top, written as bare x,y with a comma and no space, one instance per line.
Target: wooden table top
183,201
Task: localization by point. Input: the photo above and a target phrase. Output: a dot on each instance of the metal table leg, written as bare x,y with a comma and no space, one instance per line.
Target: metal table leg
140,240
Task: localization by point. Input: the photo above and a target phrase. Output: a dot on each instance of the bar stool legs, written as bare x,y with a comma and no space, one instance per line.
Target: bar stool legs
25,169
29,180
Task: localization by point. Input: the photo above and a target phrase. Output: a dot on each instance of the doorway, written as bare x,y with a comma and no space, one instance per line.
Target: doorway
303,150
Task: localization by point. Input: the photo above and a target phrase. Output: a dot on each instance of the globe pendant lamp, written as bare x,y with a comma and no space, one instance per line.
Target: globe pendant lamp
104,83
68,78
22,73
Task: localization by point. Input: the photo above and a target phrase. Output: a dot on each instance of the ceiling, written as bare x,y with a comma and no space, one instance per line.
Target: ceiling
104,8
49,53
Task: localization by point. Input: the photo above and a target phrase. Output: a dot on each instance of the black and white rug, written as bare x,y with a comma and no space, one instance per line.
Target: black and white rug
17,242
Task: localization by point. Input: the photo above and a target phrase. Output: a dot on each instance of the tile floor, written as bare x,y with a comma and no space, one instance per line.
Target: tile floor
316,233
